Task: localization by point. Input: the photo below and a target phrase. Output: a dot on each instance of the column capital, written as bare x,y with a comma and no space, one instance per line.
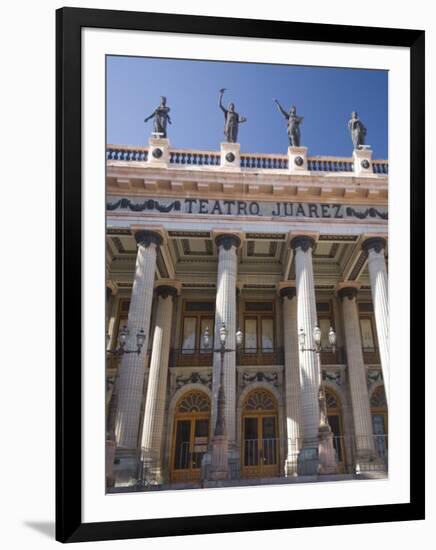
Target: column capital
302,241
349,292
166,290
374,243
146,237
288,292
227,240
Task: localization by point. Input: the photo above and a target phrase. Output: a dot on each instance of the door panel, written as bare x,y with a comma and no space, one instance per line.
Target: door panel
190,444
260,446
183,437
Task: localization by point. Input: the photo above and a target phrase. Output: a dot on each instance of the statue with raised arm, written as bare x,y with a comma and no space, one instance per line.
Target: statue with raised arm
357,130
232,120
161,118
294,121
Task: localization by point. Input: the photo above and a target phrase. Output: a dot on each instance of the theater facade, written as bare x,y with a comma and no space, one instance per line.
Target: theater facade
254,292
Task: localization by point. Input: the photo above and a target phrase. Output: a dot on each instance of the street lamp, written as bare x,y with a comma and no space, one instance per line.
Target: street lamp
220,443
122,340
317,340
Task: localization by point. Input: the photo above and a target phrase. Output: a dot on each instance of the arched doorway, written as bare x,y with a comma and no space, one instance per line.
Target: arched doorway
260,441
334,416
379,416
190,436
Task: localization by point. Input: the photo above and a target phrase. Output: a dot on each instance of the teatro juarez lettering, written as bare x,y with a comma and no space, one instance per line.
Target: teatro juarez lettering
211,207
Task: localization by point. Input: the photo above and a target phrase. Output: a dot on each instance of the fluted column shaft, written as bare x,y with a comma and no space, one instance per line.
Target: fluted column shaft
130,381
309,362
292,378
378,276
357,375
225,312
152,429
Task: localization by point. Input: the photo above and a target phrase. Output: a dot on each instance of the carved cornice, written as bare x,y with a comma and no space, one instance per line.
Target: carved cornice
349,292
146,237
302,241
288,292
374,243
166,290
227,240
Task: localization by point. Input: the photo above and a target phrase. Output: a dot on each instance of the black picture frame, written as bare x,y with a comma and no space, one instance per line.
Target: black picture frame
69,22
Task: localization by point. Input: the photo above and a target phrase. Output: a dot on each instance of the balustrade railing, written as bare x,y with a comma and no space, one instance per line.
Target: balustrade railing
264,162
249,161
260,357
246,357
371,356
195,158
327,164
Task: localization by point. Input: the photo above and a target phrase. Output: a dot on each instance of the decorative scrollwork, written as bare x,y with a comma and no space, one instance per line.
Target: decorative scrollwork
260,377
378,398
194,378
361,215
149,204
335,377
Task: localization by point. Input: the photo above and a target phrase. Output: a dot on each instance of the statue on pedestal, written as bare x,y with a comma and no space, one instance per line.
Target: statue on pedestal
357,130
232,120
161,118
294,121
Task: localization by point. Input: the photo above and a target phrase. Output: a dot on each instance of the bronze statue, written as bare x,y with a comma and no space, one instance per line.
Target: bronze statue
161,117
357,130
232,120
294,122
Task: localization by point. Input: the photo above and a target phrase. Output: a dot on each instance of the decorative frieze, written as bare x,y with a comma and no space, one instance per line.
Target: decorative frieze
194,378
272,378
216,208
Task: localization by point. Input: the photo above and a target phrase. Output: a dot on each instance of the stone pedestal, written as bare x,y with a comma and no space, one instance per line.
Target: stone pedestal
362,159
375,248
219,469
310,376
158,151
292,378
231,156
152,431
297,160
326,451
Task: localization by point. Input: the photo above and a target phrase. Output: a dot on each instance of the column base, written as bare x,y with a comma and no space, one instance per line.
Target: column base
125,469
308,461
150,470
233,470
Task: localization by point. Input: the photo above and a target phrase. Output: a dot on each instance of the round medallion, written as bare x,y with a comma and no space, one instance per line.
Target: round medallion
230,157
364,164
157,153
299,161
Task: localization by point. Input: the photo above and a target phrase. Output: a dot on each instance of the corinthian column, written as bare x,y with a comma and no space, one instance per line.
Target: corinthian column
152,430
375,248
225,312
365,451
131,373
310,376
292,378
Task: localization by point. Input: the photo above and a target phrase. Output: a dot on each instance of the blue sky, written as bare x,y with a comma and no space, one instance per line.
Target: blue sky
324,96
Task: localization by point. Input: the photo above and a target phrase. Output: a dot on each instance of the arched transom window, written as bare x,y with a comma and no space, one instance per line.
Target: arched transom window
194,401
260,400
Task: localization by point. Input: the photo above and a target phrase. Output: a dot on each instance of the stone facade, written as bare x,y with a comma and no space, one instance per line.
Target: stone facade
270,247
